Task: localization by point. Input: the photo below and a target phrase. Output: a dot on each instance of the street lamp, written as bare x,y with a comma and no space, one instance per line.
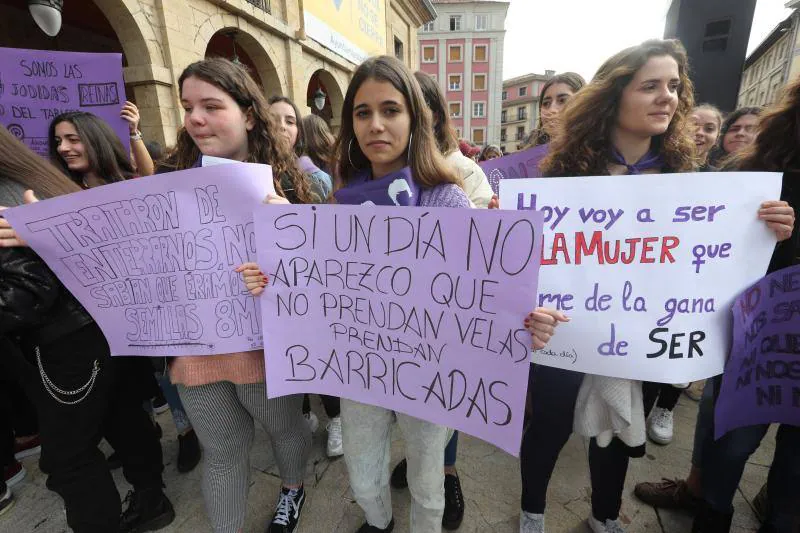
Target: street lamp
232,36
47,15
319,99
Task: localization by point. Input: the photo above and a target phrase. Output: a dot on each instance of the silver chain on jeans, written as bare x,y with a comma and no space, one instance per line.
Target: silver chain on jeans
51,387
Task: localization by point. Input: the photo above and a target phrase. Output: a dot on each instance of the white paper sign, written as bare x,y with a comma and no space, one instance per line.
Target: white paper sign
647,267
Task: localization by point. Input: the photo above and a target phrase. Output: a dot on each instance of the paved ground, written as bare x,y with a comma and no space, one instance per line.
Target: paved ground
490,480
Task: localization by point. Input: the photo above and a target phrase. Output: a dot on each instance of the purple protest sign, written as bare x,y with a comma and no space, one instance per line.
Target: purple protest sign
413,309
523,164
761,383
152,259
38,85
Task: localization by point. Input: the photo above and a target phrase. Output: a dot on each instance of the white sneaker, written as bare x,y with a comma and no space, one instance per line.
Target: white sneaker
682,386
609,526
659,425
335,437
531,522
312,421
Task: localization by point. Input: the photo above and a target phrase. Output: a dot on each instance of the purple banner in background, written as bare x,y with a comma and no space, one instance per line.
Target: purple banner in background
523,164
761,383
152,259
38,85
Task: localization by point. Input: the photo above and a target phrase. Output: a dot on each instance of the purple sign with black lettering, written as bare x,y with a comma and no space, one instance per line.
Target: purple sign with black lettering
523,164
761,383
38,85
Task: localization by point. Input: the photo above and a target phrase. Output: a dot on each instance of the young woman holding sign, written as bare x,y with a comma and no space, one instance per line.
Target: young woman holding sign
387,135
59,355
226,115
631,119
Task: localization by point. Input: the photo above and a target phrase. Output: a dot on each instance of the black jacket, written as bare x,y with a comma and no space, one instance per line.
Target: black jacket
33,303
787,253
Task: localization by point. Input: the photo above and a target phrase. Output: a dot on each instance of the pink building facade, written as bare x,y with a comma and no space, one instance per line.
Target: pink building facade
463,51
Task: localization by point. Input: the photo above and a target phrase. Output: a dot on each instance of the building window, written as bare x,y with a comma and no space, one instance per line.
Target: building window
454,53
429,26
428,53
478,109
521,115
454,82
481,53
520,133
523,91
479,82
503,116
504,96
478,136
716,36
260,4
455,22
502,135
458,132
455,109
481,22
398,49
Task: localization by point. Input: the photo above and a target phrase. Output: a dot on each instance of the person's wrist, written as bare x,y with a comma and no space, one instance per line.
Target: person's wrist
136,135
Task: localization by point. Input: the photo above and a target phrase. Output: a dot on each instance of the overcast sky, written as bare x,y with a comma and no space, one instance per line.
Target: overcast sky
579,35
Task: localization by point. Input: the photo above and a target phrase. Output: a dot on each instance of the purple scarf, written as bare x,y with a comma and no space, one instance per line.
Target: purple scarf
650,161
307,165
397,188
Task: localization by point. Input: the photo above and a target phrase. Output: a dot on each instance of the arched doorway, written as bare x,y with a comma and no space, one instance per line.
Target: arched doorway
240,46
323,88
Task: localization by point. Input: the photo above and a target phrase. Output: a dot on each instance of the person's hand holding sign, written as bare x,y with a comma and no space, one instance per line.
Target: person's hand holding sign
8,237
542,323
779,216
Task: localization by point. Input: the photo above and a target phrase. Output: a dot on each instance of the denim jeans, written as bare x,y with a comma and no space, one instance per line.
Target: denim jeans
451,452
367,440
179,416
704,425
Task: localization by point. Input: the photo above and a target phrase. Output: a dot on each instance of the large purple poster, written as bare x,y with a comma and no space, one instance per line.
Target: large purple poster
761,383
523,164
152,259
37,85
417,310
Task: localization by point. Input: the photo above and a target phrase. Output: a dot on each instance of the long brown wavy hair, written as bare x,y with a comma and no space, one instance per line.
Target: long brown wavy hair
777,144
263,144
446,138
319,141
582,143
427,164
18,163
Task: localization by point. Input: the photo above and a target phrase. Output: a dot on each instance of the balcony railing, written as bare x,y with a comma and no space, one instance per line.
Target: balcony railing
260,4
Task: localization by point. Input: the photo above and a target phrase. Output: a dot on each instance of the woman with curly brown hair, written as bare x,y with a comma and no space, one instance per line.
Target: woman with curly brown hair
226,115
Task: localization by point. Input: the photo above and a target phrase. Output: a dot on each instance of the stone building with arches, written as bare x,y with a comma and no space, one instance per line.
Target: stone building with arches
159,38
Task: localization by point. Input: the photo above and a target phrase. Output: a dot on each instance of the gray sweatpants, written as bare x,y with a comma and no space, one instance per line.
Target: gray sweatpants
222,415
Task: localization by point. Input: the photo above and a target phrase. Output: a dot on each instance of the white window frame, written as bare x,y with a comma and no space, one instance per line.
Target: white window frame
459,24
486,55
460,82
461,49
472,136
435,53
484,17
429,27
485,81
482,103
524,110
460,109
522,91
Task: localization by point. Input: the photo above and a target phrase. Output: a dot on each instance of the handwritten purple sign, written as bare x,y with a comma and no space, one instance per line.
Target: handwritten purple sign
761,383
523,164
413,309
38,85
152,259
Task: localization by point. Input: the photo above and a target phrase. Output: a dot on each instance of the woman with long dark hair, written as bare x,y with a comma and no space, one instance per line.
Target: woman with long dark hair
555,94
738,131
59,355
319,142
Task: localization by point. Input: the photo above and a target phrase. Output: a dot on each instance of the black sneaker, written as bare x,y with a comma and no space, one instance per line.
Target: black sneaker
366,528
399,479
453,503
6,501
188,452
148,510
287,512
159,403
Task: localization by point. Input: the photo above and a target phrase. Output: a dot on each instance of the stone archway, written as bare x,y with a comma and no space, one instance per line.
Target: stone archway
331,112
250,53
